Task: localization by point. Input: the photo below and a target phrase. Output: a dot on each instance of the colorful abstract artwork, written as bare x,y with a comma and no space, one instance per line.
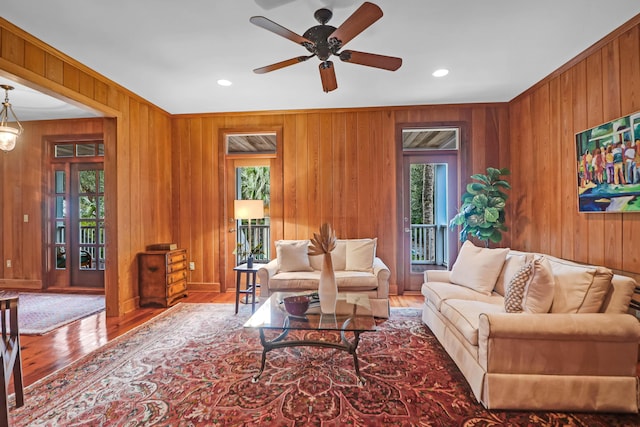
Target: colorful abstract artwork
608,166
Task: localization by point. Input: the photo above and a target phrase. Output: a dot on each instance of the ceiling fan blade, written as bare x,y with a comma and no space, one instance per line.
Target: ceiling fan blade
328,76
269,25
282,64
390,63
362,18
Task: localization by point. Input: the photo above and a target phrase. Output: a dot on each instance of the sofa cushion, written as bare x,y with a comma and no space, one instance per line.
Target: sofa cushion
620,294
478,268
308,280
293,255
438,292
360,254
316,262
338,257
512,264
531,289
464,315
579,289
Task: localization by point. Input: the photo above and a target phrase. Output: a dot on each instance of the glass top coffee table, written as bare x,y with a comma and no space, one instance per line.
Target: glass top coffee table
353,316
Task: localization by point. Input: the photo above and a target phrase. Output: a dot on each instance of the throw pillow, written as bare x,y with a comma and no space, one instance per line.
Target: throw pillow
531,288
360,254
515,289
293,255
338,257
478,268
514,262
316,262
580,289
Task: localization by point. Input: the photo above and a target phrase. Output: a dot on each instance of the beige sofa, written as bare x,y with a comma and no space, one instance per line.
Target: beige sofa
574,351
355,264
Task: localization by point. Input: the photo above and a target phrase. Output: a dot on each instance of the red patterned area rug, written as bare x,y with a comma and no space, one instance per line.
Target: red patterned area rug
192,366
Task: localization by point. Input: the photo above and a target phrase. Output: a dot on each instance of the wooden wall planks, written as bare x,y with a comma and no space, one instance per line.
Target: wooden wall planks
599,86
23,177
337,166
137,165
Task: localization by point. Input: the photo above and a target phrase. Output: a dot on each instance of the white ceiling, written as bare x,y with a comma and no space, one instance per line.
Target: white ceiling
173,52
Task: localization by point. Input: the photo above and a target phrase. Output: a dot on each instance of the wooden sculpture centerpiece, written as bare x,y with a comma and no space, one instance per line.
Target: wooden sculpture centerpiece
323,244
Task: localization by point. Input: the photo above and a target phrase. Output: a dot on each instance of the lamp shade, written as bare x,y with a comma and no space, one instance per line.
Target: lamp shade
8,137
8,134
248,209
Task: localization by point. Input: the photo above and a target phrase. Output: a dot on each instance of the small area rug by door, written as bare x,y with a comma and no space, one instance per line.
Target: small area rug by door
39,313
192,366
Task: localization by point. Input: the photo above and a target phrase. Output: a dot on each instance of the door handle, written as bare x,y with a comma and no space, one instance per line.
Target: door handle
231,230
407,230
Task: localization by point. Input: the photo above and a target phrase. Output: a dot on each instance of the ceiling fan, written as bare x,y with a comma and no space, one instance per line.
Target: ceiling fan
325,40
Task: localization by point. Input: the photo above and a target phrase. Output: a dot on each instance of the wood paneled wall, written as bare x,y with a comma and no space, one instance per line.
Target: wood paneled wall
21,190
600,85
338,166
137,163
166,176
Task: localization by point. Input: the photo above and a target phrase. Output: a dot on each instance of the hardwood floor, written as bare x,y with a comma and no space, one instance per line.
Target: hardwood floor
44,354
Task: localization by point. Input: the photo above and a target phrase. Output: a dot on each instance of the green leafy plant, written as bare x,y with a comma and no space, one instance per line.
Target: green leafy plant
482,213
242,251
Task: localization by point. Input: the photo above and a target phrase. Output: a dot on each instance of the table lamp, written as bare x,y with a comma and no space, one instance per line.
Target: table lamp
248,209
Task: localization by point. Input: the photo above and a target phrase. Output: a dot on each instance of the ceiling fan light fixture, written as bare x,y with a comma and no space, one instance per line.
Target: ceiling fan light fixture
224,82
8,134
324,41
441,72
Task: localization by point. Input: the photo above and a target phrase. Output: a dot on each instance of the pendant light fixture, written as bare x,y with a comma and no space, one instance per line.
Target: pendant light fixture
8,134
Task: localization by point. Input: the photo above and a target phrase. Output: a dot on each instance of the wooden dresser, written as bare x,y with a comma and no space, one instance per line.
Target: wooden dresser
162,277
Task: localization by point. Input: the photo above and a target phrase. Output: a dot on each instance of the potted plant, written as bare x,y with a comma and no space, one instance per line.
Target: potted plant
244,254
482,213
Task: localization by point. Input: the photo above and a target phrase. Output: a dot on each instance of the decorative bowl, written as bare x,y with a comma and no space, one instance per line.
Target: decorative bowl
296,305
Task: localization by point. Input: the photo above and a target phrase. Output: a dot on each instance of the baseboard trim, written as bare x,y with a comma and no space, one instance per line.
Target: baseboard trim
203,287
21,284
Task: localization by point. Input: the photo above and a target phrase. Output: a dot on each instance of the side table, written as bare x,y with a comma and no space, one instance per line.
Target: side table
250,288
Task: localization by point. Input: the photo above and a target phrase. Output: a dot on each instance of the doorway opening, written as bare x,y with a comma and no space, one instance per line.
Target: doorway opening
429,168
250,158
253,235
428,200
75,251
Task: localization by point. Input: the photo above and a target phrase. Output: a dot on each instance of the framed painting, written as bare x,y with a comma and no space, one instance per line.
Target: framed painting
608,166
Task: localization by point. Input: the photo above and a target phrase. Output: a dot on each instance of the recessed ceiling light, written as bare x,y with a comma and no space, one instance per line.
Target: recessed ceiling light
223,82
440,73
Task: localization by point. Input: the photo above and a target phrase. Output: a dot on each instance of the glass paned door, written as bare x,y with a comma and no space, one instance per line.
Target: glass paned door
429,201
428,186
253,183
87,245
78,223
